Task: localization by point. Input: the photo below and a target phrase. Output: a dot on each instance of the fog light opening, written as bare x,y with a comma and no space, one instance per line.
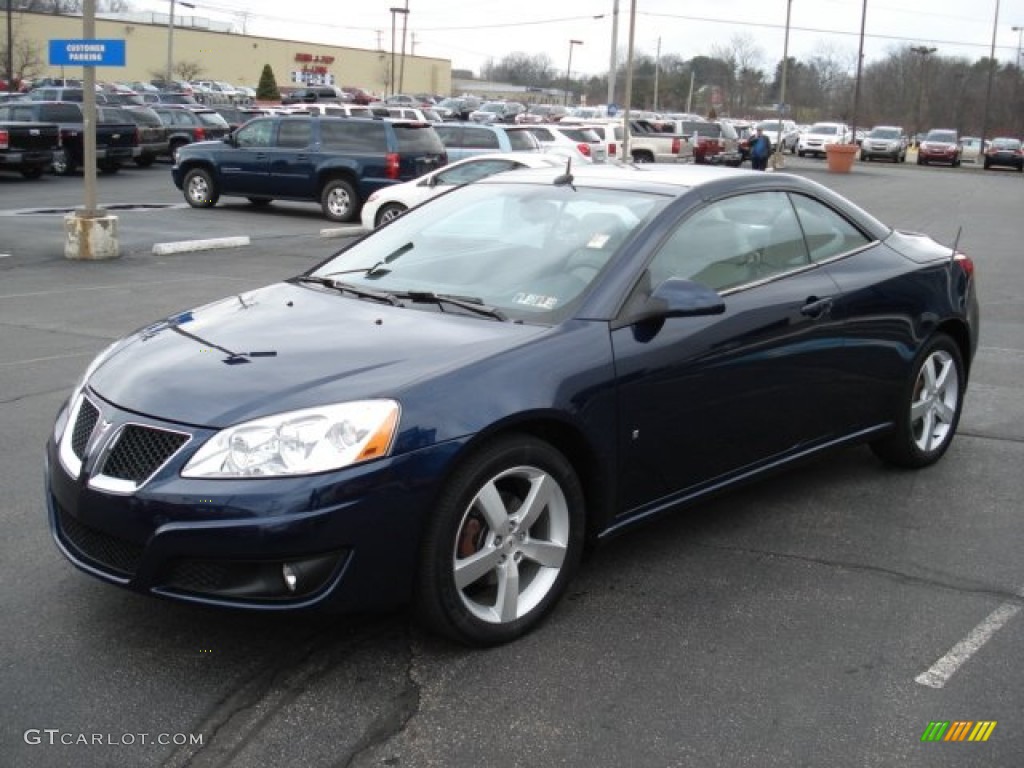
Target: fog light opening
290,574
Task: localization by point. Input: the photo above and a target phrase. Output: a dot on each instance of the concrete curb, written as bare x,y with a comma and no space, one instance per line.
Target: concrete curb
354,229
184,246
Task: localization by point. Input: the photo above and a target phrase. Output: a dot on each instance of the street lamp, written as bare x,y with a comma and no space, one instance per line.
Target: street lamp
777,161
568,70
1020,32
924,52
170,43
404,12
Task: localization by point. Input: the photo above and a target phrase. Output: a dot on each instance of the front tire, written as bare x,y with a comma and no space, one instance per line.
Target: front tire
200,191
388,212
930,407
339,201
33,172
505,539
260,202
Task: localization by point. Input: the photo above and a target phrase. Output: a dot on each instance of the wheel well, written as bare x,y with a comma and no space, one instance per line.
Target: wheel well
957,331
330,176
643,153
597,488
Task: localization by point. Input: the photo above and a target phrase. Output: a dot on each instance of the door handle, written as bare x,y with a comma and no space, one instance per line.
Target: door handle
817,307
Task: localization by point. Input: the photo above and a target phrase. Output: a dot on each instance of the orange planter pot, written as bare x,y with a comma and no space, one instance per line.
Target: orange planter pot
841,157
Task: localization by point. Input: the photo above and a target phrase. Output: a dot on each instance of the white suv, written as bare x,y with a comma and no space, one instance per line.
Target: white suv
820,135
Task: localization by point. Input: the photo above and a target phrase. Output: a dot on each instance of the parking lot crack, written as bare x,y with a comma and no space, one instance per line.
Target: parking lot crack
934,579
237,719
403,708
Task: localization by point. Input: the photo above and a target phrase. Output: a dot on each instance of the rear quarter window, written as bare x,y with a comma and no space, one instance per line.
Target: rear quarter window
417,138
212,119
524,141
341,135
60,113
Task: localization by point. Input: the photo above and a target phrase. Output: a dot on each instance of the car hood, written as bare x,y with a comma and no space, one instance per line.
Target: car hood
286,347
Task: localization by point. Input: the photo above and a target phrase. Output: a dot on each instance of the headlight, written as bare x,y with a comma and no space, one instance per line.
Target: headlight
299,442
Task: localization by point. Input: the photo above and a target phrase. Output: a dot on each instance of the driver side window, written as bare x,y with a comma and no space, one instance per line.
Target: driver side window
256,134
733,242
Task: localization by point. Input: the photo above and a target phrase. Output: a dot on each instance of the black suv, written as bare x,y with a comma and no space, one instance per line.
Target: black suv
186,125
316,94
336,161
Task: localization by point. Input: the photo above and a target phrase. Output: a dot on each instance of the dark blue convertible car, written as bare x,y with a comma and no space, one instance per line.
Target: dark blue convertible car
446,411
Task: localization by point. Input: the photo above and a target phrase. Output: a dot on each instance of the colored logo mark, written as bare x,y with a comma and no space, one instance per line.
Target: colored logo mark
958,730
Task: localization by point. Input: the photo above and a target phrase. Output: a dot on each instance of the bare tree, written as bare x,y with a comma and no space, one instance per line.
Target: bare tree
189,70
744,59
26,60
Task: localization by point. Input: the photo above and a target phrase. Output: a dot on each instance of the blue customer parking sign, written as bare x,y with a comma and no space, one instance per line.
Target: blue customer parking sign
87,53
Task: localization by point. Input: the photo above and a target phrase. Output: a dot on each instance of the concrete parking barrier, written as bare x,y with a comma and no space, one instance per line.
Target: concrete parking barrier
342,231
184,246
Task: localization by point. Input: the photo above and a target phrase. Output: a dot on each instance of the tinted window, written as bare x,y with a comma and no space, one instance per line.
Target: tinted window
828,234
947,136
523,141
479,138
146,117
581,134
294,134
468,172
542,134
212,119
60,113
350,136
884,133
417,138
449,134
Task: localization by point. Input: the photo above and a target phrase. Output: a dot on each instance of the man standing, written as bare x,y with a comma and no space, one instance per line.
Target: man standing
760,149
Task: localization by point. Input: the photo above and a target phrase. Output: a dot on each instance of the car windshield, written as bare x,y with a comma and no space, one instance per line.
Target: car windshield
884,133
947,136
495,107
529,251
824,129
770,125
1005,144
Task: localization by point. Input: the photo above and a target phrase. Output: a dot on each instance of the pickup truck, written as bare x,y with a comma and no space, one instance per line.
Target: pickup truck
337,162
714,142
648,144
28,147
115,142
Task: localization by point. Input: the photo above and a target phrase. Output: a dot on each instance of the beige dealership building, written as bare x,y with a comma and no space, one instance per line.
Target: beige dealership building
225,55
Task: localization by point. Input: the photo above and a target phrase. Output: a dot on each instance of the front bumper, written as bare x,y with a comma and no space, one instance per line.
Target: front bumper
351,536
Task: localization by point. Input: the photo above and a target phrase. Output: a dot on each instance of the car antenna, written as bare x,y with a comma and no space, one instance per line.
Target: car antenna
956,243
566,178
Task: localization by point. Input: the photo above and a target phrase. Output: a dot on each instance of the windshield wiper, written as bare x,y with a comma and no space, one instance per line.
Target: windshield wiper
362,293
469,303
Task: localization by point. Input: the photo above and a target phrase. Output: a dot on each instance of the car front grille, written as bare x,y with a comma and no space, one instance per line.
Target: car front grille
100,549
140,451
84,425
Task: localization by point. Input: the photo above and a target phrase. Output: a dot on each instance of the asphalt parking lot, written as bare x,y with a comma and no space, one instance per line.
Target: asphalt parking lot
824,617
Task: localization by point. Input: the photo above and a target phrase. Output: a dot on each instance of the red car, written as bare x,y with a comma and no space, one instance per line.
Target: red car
939,146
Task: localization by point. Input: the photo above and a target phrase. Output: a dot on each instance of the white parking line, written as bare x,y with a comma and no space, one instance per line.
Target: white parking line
943,669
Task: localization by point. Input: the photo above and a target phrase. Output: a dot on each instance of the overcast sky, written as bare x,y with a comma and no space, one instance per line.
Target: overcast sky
469,32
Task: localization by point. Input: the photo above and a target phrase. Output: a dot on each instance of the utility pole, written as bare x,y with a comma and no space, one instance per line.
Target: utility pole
991,73
615,42
10,47
657,67
924,52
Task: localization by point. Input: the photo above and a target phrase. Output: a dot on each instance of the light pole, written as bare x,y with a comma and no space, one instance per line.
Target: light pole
170,43
1020,33
401,71
568,70
777,161
991,73
10,47
394,11
924,52
615,42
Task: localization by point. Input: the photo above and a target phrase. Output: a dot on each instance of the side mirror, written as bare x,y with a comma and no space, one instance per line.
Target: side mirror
680,298
229,138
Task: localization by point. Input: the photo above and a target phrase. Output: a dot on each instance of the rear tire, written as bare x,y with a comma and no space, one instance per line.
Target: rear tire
929,408
260,202
144,161
502,544
339,201
32,173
